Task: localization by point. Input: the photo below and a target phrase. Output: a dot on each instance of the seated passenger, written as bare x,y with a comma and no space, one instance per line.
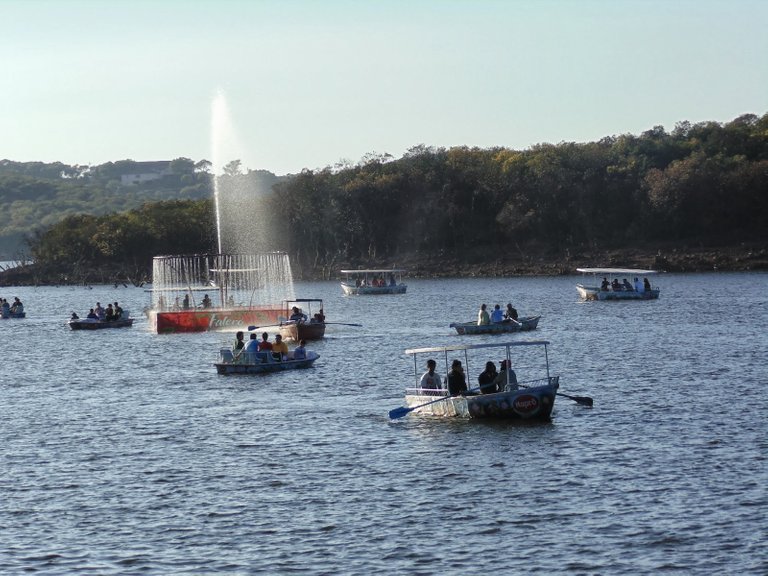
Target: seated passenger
92,315
497,316
627,286
279,348
615,285
501,379
487,379
605,285
300,352
639,286
646,284
297,315
430,380
265,344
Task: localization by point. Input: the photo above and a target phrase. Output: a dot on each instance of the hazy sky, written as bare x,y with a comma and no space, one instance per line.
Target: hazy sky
311,83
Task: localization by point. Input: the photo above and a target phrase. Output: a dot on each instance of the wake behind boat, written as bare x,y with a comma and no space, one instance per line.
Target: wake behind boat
626,289
260,362
531,399
522,324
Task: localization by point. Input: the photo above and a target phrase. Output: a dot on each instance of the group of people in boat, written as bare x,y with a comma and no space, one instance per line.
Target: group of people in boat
108,314
297,315
278,348
186,304
498,315
376,282
625,286
489,381
8,309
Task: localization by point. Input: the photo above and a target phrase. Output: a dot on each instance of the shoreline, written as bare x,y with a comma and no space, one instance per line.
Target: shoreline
745,257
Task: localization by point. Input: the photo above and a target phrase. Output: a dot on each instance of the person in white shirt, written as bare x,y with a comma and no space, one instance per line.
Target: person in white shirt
430,379
639,286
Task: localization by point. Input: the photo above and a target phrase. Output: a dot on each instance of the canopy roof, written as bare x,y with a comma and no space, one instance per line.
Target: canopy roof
382,271
615,271
304,300
474,346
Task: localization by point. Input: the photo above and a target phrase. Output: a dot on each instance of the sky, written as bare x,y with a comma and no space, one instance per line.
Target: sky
308,84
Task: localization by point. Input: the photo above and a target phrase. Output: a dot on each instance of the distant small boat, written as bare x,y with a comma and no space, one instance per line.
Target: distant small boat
373,282
260,362
522,324
94,324
602,291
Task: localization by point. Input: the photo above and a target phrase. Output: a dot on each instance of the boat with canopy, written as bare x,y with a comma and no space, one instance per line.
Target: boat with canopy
373,282
631,287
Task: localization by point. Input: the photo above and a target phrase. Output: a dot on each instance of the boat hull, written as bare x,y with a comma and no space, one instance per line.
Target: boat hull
594,293
303,331
13,315
212,319
90,324
261,363
533,404
353,290
523,324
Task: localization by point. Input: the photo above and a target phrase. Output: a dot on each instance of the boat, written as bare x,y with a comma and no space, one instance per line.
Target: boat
522,324
260,362
311,327
96,324
520,400
597,291
373,282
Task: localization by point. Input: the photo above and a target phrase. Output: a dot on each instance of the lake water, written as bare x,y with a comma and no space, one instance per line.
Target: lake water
123,452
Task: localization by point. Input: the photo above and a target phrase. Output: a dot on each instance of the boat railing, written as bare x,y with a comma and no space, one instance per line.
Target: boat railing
426,392
536,382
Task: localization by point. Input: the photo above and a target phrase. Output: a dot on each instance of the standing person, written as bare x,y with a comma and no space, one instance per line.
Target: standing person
483,319
265,344
100,312
639,286
430,379
497,316
279,348
206,301
300,352
487,379
457,381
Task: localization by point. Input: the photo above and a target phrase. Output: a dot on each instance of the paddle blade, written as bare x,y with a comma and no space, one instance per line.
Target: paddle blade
252,328
583,400
399,412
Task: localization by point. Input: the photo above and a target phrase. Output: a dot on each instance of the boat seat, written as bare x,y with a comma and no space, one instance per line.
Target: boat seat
226,355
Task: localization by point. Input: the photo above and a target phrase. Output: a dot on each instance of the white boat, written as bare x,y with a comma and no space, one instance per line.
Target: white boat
605,289
529,395
373,281
260,362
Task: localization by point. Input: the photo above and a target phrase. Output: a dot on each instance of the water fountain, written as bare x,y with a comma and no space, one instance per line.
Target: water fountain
245,283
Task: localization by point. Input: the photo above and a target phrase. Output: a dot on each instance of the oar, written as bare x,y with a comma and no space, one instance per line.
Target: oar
402,410
252,328
344,324
583,400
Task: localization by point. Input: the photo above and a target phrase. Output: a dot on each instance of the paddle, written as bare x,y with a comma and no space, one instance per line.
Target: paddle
402,410
583,400
344,324
252,328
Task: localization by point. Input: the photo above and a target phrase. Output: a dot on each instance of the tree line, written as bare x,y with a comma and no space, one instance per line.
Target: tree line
700,181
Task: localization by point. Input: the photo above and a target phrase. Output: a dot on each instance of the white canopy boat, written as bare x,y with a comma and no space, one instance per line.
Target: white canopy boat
529,399
634,289
373,281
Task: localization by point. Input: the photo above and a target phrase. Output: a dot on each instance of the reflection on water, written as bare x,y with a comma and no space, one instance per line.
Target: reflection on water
125,452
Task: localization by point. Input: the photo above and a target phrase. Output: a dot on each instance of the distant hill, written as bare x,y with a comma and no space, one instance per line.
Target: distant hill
36,195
